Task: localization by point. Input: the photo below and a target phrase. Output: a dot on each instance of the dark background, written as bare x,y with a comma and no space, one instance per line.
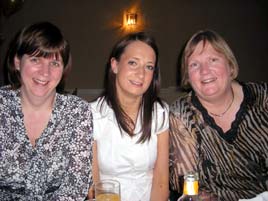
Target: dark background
93,26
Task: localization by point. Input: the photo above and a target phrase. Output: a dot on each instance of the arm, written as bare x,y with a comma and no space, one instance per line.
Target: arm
181,157
160,191
78,173
95,170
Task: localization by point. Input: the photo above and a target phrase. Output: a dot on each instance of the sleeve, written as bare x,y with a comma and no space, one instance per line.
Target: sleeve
182,158
78,175
101,113
266,94
162,118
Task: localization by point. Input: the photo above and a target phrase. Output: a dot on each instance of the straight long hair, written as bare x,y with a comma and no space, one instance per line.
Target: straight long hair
149,97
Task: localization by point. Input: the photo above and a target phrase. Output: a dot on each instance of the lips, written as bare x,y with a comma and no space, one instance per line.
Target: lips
40,82
207,81
139,84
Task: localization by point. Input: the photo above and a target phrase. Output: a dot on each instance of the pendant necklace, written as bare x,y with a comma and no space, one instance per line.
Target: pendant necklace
226,110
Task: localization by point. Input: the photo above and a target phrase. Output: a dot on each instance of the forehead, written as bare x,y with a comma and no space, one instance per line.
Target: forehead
48,55
48,58
139,48
204,48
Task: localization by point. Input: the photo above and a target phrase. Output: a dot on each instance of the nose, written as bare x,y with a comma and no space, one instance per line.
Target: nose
204,69
141,71
45,69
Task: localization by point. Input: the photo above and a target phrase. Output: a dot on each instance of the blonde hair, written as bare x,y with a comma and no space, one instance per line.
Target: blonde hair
217,42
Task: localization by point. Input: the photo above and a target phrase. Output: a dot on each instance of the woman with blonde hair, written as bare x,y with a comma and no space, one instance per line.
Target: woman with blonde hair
220,128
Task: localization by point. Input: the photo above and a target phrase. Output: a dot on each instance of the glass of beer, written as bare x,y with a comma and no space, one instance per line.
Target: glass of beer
107,190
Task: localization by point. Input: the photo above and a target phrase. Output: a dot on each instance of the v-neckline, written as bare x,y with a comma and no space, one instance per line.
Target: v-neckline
231,134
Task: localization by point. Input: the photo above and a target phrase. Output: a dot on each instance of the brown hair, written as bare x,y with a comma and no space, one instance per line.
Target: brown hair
41,39
149,97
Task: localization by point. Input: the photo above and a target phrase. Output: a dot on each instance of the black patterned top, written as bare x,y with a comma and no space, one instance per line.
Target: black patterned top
231,165
59,166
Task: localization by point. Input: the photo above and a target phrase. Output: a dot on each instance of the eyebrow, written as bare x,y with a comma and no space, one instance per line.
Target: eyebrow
139,59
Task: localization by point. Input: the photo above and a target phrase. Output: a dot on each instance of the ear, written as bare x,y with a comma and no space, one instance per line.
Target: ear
114,65
17,63
231,71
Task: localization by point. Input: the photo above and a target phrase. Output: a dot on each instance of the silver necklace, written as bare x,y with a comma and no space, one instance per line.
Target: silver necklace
226,110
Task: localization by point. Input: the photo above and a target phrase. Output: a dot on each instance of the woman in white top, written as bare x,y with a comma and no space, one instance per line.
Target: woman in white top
131,122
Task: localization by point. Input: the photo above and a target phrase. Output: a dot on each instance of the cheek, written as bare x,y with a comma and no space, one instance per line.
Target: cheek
192,75
57,74
26,71
122,76
120,69
223,71
194,80
149,77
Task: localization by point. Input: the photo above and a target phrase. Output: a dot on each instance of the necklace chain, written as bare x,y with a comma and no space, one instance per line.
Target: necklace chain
227,109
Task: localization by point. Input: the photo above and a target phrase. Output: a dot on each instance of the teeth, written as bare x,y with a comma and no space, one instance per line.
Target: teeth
208,80
40,81
136,83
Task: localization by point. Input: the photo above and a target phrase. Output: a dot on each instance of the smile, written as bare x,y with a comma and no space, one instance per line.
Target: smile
139,84
40,81
208,80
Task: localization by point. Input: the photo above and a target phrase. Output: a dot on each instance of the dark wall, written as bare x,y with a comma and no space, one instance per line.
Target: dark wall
93,26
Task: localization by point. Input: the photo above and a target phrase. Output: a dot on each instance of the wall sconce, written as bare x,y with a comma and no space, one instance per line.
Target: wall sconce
131,19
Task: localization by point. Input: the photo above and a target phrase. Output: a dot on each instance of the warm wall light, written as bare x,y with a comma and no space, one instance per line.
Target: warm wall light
131,19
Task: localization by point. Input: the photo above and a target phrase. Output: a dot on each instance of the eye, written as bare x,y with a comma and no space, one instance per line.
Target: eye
132,63
55,63
214,59
150,67
34,60
194,65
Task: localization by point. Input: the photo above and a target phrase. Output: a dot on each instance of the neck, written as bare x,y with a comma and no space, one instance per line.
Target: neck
130,106
219,106
36,104
226,110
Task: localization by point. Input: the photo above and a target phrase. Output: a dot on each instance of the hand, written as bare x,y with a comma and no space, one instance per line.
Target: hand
91,193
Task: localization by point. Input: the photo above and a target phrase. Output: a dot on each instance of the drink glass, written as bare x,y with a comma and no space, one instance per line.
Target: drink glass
107,190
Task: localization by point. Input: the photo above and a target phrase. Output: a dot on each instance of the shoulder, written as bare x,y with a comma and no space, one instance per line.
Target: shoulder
181,104
104,118
5,91
71,99
74,112
101,109
255,91
256,87
160,121
72,103
98,104
7,95
161,107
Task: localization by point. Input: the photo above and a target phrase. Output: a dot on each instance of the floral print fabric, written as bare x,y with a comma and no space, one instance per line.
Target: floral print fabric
59,166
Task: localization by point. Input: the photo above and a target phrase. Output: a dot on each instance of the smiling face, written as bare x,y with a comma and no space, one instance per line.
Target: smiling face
39,75
134,70
209,72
